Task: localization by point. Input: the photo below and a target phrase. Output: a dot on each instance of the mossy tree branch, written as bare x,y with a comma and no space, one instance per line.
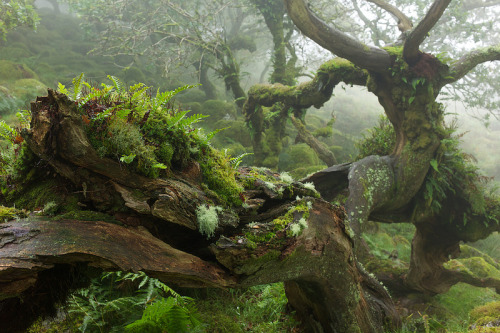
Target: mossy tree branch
470,60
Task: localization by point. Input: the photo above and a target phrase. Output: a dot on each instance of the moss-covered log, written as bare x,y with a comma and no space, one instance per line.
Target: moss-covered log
282,232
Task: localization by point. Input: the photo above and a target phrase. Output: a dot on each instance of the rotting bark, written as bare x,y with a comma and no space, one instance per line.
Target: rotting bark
317,264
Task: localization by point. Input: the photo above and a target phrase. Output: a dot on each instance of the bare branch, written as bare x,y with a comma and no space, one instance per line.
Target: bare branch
471,60
411,48
404,23
341,44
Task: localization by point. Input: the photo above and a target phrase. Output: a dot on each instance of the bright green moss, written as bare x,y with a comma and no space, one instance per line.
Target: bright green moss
10,213
219,176
489,310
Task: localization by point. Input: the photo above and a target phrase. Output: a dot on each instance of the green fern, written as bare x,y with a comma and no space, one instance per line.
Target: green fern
117,84
78,84
7,132
107,307
236,161
167,315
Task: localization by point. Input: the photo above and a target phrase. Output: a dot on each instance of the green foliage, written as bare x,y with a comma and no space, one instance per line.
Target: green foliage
170,315
259,309
454,173
148,134
379,141
119,301
15,13
10,213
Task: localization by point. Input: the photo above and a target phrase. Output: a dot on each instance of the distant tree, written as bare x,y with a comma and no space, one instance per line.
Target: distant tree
425,180
204,35
15,13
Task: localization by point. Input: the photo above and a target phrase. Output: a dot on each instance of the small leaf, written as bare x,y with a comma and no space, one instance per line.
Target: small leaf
411,99
127,158
160,166
434,164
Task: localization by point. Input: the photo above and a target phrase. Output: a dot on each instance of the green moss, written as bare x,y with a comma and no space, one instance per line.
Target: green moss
467,251
86,215
489,310
219,176
480,268
10,71
454,306
10,213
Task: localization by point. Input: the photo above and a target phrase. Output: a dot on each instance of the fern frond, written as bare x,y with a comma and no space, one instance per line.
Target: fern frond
187,122
205,138
7,132
117,84
62,88
236,161
24,118
77,87
176,118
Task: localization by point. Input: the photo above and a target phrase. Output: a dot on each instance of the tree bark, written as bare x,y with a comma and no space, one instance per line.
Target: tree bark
336,41
323,280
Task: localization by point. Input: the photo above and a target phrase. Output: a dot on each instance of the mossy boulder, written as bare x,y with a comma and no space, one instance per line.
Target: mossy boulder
486,318
191,95
194,107
10,213
17,94
467,251
133,75
10,71
480,267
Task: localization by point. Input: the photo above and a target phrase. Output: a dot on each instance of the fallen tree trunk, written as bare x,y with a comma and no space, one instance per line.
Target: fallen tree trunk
283,232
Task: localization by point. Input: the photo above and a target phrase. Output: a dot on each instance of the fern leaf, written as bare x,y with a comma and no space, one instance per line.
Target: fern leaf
187,122
117,84
62,88
77,87
178,116
7,132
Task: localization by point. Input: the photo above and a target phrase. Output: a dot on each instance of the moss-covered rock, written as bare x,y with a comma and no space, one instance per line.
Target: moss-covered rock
11,71
486,318
480,267
467,251
10,213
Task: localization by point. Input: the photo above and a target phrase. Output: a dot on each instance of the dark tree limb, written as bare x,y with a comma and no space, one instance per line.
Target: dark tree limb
336,41
467,62
411,52
433,245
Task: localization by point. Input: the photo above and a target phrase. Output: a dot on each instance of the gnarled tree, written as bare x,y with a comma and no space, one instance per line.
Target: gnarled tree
407,83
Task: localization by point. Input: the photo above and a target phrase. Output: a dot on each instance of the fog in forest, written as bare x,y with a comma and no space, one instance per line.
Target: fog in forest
231,54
